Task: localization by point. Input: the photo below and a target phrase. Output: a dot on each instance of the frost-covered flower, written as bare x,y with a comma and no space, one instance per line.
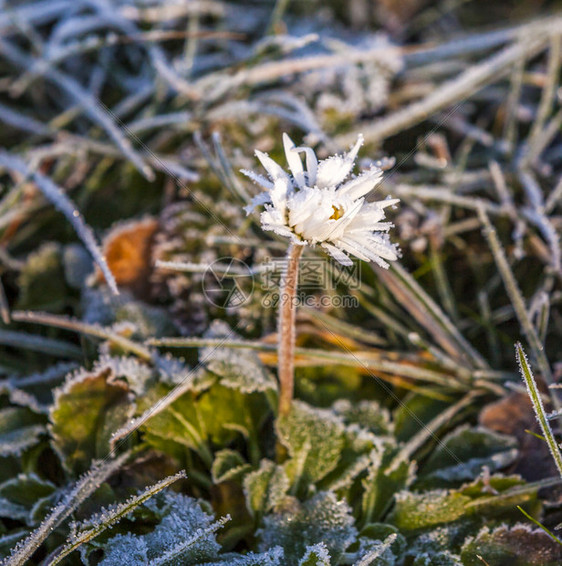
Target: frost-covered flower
316,205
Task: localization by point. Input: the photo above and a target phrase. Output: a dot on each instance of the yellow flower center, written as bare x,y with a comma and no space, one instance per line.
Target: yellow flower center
338,212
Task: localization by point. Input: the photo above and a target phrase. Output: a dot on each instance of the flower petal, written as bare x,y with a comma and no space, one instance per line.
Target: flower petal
337,254
258,179
334,170
362,184
311,164
258,200
274,169
294,160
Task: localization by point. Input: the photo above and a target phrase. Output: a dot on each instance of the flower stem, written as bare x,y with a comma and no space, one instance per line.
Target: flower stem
286,329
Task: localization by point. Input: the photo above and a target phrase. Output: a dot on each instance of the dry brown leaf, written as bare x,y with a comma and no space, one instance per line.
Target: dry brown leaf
127,251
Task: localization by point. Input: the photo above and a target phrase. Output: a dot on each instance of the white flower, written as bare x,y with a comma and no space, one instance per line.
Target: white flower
314,205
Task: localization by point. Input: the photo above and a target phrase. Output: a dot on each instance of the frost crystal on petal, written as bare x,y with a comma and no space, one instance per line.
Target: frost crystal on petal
320,202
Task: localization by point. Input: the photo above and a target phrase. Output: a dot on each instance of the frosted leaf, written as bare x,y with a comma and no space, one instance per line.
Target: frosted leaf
382,482
184,537
184,521
88,409
532,547
35,390
265,488
22,398
362,441
475,447
379,543
349,474
228,465
439,540
19,430
125,550
19,494
316,555
219,415
272,557
107,518
314,439
376,553
367,414
137,374
422,510
442,558
320,519
172,370
239,369
45,379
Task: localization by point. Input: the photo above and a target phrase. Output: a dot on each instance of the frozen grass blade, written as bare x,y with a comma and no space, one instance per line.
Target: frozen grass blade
82,489
312,356
430,430
370,559
22,122
83,328
517,299
56,196
91,105
424,309
536,399
106,519
37,343
457,89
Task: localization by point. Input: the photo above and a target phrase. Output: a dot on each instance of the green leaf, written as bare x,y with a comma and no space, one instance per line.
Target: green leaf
383,482
422,510
215,416
518,545
265,488
88,409
20,429
19,497
314,439
239,369
423,408
228,465
42,282
367,414
462,454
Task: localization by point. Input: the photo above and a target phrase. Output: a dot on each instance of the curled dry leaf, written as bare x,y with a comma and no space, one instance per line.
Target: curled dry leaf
127,251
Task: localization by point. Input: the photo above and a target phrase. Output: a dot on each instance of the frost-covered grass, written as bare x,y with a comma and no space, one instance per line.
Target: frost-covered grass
141,426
